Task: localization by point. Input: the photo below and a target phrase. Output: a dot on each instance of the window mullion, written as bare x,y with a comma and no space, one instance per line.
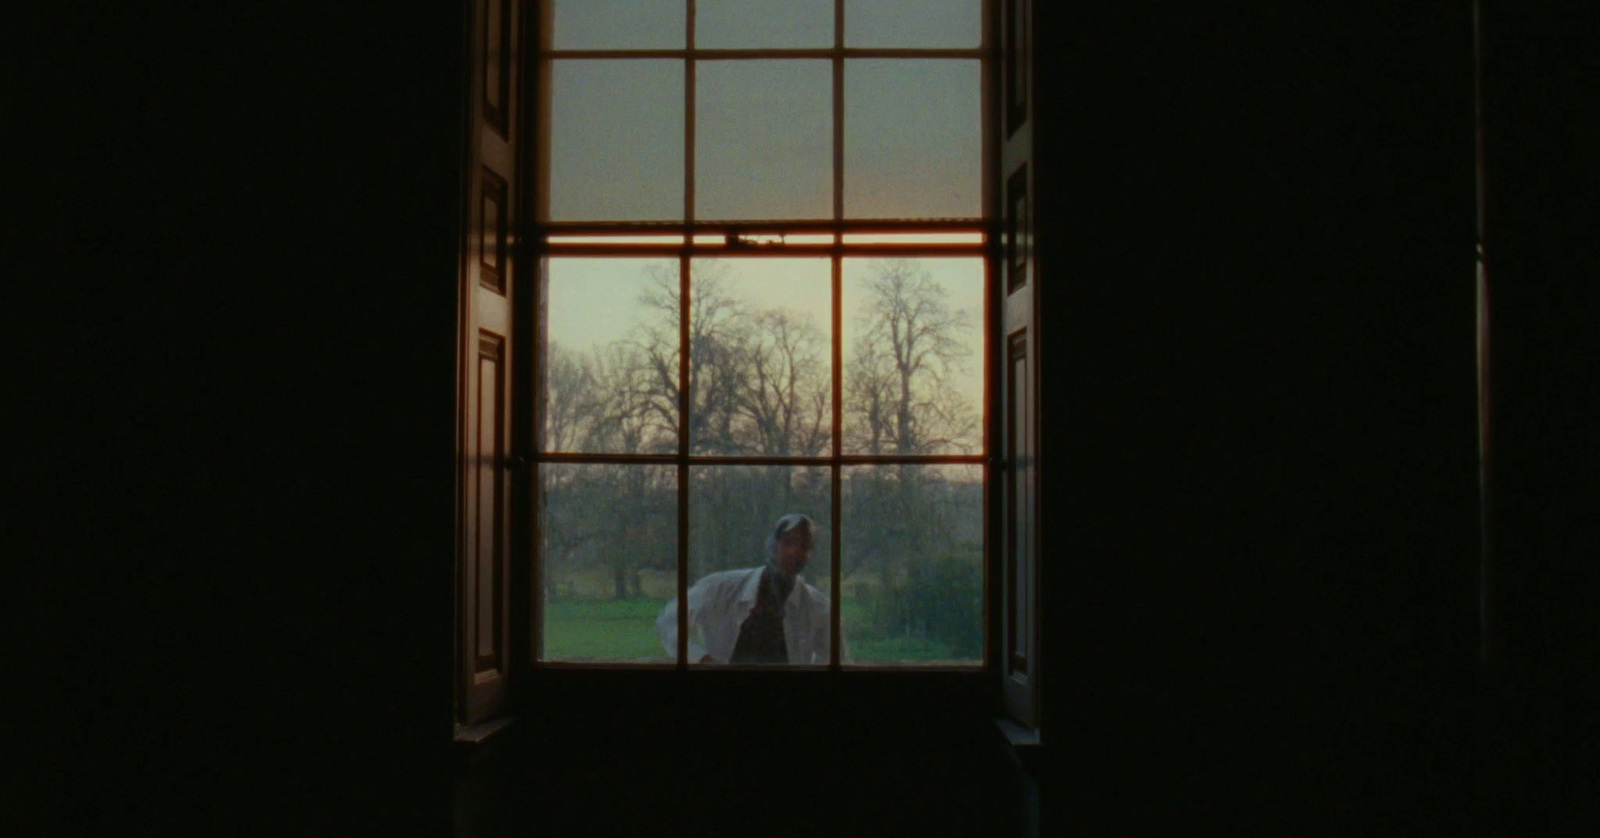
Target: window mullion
685,406
835,541
838,113
687,251
770,52
684,291
689,119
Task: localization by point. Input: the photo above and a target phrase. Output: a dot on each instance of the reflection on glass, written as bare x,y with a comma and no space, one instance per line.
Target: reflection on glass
557,238
764,140
760,357
913,238
942,24
912,543
732,512
609,541
611,357
763,24
807,238
616,140
913,356
617,24
913,144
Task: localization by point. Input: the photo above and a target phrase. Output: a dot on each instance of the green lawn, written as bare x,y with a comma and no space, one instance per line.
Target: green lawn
603,630
625,630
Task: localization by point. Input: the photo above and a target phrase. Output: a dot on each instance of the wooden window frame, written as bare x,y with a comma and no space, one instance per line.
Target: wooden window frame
685,240
533,238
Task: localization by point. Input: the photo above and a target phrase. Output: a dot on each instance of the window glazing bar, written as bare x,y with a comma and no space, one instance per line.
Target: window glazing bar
607,459
982,243
720,460
684,396
835,541
767,251
764,226
835,473
747,54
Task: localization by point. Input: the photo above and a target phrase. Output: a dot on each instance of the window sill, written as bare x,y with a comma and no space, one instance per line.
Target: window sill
479,734
1024,744
1020,737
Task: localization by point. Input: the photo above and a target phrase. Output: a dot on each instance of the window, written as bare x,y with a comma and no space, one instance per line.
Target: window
762,243
750,248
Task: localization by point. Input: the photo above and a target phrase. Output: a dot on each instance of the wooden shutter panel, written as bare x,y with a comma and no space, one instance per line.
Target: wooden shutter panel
489,254
1018,290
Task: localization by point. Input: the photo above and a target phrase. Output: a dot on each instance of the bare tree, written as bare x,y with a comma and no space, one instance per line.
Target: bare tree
569,407
901,399
909,345
716,335
783,396
597,516
760,384
570,396
625,418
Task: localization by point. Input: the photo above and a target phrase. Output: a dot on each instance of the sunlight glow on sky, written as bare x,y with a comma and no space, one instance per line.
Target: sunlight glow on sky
765,24
763,150
595,301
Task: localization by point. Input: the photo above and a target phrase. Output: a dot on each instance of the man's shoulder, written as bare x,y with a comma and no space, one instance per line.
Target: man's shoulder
727,577
812,591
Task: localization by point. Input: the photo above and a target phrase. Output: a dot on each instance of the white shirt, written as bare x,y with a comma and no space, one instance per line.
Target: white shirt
719,604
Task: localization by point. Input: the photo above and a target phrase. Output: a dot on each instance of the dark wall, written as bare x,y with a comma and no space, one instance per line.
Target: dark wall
240,453
1260,379
1542,741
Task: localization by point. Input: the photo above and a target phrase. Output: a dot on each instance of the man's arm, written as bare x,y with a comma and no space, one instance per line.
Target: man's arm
820,643
667,627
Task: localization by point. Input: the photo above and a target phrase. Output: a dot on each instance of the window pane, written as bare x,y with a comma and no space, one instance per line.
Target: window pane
763,24
760,357
563,238
732,509
618,24
764,140
913,564
913,355
611,357
616,140
608,538
913,144
913,238
944,24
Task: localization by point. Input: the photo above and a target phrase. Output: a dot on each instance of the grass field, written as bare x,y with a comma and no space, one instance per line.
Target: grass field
603,630
625,630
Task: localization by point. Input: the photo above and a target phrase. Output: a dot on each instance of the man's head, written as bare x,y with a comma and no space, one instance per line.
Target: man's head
789,543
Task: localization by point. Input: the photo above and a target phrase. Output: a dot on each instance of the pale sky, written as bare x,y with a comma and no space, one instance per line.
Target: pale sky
763,146
659,24
913,145
595,301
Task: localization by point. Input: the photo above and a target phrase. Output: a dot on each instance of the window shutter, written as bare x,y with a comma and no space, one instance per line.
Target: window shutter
1018,381
488,261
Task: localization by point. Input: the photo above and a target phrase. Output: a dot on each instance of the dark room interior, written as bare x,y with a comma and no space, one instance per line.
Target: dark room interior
1316,466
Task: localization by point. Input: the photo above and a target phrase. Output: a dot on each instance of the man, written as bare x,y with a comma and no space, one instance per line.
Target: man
765,614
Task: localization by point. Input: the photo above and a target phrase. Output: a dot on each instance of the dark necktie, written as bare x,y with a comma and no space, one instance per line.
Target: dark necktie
761,635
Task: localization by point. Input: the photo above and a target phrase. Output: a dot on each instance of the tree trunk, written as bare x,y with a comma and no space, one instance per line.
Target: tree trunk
903,416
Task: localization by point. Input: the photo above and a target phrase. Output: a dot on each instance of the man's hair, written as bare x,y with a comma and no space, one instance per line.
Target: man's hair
792,521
